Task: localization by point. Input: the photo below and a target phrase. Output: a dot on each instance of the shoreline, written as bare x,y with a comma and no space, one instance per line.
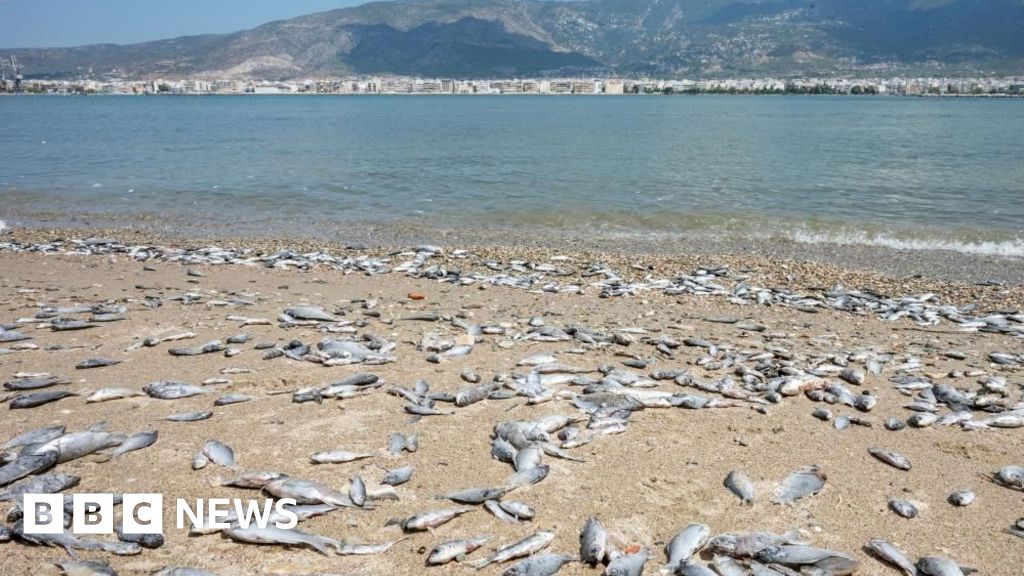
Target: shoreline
661,469
957,277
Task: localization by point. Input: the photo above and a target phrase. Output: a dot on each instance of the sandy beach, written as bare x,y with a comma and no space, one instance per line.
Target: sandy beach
663,472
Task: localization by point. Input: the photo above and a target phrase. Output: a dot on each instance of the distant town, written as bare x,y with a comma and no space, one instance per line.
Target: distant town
977,87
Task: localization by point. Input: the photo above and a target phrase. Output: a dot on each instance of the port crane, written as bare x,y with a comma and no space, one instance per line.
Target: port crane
17,74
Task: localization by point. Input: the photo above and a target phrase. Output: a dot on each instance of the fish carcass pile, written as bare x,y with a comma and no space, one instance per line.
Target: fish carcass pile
603,379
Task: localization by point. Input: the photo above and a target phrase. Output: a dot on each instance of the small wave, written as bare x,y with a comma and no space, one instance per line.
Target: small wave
1010,248
3,225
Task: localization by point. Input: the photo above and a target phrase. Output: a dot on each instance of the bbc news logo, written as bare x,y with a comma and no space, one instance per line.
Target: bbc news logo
144,513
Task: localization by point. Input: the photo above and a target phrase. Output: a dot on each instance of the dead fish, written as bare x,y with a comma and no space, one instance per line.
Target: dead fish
219,453
86,568
254,480
495,508
888,552
108,394
525,547
228,399
171,390
150,541
65,325
418,410
938,566
528,476
685,544
398,476
306,492
432,519
691,568
593,542
138,441
96,363
357,491
815,559
476,495
539,565
45,484
182,571
36,383
337,456
518,509
193,416
746,545
273,535
35,436
1009,477
78,444
903,508
26,465
36,399
806,481
739,484
961,498
310,313
364,549
894,459
445,552
628,565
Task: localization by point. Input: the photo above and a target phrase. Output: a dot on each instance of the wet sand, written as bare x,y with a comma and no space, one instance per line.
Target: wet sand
664,472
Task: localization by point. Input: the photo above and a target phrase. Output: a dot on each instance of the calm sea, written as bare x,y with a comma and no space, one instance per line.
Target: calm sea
903,172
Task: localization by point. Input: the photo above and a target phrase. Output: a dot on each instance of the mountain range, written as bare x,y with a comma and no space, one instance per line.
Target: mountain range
508,38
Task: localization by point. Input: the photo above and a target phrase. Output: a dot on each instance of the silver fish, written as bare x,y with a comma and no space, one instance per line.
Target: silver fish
823,561
45,484
494,507
78,444
86,568
274,535
432,519
539,565
593,542
525,547
691,568
219,453
627,565
894,459
961,498
195,416
938,566
96,363
806,481
306,492
893,555
253,480
309,313
36,436
1010,477
518,509
338,456
107,394
37,399
138,441
903,508
445,552
27,464
398,476
685,544
527,477
364,549
739,484
171,390
475,495
357,491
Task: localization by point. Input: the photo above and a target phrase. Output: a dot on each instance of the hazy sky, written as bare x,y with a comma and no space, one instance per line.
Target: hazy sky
35,23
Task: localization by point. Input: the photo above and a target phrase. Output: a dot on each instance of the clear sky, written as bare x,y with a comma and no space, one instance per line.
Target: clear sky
39,23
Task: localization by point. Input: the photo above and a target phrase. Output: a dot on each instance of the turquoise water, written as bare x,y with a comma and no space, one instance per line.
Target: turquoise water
904,171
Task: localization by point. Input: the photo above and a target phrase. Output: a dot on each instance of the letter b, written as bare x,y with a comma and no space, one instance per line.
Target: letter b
44,514
92,514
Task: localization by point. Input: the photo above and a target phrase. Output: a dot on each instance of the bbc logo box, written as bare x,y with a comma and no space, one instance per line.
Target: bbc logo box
93,514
